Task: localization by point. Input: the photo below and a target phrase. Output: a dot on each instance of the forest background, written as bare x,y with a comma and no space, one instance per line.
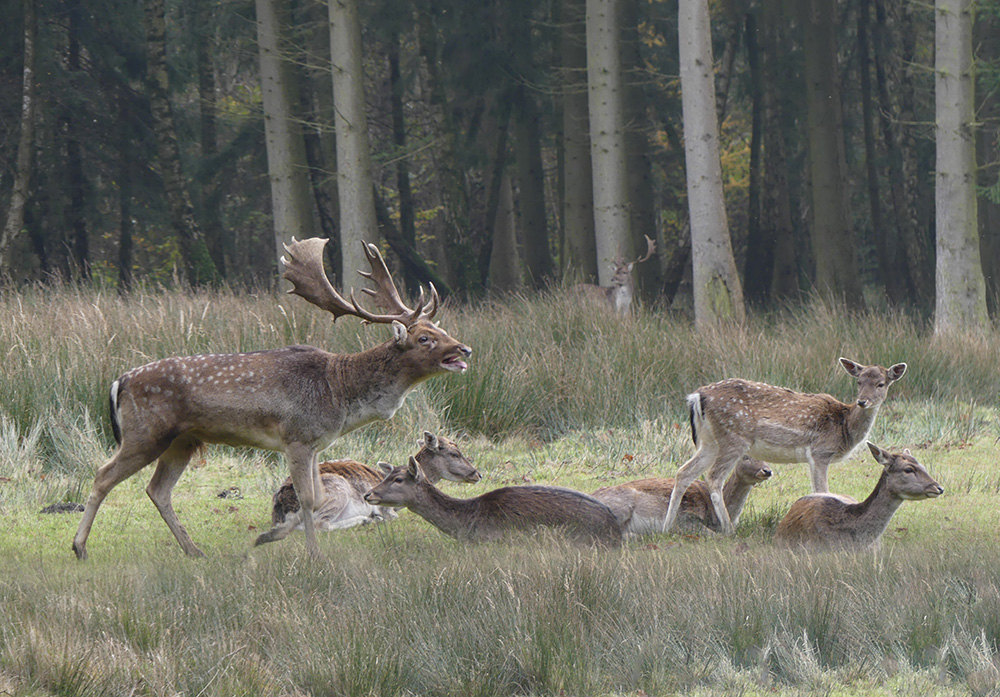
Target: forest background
183,141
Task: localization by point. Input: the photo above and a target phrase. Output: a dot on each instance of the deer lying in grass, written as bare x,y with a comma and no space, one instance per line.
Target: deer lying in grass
622,289
498,512
345,482
641,506
737,417
831,521
296,399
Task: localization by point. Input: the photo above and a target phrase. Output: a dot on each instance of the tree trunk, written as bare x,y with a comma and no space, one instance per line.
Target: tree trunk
578,183
505,265
219,247
834,249
354,169
642,209
607,137
26,141
961,295
718,295
198,263
759,264
407,214
531,185
125,174
75,180
987,141
291,194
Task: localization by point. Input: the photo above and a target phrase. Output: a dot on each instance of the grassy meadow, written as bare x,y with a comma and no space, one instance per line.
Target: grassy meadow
555,394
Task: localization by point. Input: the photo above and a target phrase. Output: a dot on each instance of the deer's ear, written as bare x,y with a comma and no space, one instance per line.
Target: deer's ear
628,266
854,369
431,441
385,467
399,333
896,371
413,467
881,456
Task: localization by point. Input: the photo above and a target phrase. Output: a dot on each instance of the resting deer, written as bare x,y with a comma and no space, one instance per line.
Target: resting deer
640,506
498,512
296,399
619,294
831,521
737,417
345,482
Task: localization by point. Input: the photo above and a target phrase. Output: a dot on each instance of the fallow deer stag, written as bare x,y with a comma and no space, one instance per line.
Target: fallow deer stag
737,417
619,294
296,399
832,521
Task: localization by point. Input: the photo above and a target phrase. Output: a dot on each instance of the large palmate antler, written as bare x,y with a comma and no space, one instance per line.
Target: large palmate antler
304,269
650,249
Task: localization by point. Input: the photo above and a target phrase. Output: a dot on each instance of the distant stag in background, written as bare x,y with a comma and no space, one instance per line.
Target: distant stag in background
498,512
641,505
831,521
619,294
296,399
737,417
345,482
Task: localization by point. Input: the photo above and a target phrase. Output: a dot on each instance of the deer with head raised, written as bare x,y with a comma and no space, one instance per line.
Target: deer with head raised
738,417
296,399
831,521
499,512
619,294
641,505
345,482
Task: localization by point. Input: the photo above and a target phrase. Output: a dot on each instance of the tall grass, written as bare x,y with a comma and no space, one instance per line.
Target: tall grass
556,393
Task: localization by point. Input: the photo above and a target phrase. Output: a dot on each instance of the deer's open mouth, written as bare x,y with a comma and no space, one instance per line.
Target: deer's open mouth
454,363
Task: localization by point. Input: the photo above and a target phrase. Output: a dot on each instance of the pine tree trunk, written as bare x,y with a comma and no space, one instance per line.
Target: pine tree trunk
407,214
961,295
578,184
987,141
219,247
291,194
837,276
354,169
125,174
198,264
531,180
718,294
505,266
607,137
75,180
26,141
758,267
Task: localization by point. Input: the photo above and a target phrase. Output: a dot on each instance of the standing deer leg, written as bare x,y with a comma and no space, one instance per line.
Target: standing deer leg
688,472
302,463
122,465
725,463
169,468
818,467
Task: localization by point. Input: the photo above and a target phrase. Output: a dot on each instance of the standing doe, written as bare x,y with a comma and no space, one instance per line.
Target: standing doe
831,521
619,294
345,482
641,505
296,399
737,417
498,512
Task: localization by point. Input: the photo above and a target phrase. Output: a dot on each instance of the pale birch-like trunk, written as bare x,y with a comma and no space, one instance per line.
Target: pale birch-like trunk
718,294
578,182
607,137
26,141
961,293
354,168
291,195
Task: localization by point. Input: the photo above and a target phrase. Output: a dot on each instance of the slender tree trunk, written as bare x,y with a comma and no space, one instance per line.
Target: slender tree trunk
505,266
718,294
639,167
26,141
988,154
759,264
407,224
607,137
291,193
961,294
832,236
494,182
125,174
219,248
198,263
531,180
578,183
75,180
354,168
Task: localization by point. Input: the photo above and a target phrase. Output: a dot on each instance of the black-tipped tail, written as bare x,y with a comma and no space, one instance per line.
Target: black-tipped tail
696,411
116,426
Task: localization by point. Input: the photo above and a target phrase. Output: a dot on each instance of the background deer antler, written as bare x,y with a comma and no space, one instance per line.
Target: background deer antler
304,269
